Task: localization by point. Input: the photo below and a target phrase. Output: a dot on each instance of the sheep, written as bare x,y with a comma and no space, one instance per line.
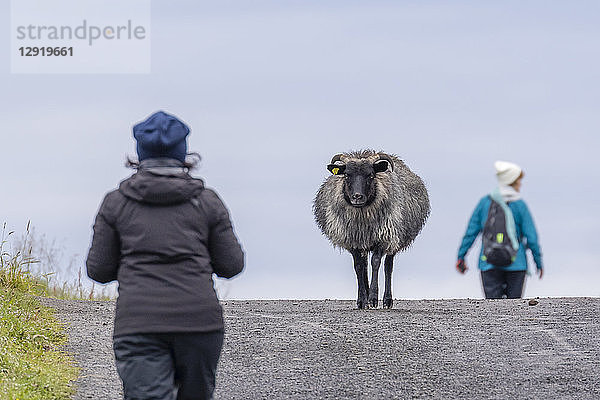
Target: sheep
372,203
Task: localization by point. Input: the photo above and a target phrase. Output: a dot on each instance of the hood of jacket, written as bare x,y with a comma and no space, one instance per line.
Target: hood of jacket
161,182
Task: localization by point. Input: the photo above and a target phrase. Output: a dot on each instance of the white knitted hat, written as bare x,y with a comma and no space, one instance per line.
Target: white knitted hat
507,172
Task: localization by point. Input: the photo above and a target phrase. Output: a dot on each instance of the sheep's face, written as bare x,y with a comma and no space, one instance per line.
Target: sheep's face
359,180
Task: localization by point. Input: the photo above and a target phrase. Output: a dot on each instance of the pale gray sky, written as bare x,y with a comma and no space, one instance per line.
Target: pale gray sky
272,89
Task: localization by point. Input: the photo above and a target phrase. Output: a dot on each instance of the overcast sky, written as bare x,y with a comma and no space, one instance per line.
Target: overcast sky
272,89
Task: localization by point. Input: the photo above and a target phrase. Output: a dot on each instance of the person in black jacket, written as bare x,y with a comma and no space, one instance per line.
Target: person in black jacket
162,235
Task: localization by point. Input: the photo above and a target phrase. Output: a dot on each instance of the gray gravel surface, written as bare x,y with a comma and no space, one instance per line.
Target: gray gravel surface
89,325
434,349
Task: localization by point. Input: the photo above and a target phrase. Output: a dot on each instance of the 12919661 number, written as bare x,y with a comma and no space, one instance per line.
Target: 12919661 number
46,51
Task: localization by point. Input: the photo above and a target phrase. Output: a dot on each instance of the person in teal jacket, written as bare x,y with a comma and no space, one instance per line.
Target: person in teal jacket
500,282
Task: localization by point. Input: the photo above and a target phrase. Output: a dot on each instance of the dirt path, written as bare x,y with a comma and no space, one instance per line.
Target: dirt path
442,349
89,326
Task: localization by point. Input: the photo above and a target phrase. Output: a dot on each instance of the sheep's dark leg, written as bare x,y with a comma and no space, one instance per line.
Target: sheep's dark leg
387,295
374,288
365,273
360,266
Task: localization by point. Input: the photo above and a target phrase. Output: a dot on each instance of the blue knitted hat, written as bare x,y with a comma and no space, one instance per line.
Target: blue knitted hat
161,135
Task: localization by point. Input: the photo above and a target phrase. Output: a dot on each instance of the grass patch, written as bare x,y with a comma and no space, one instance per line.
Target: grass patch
39,264
33,364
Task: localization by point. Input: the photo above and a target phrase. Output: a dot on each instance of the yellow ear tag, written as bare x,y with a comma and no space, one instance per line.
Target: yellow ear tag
335,171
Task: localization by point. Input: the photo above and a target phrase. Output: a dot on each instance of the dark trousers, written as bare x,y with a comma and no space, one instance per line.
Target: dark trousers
168,366
498,284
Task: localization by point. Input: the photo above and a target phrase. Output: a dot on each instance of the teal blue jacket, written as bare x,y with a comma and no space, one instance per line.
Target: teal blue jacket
526,234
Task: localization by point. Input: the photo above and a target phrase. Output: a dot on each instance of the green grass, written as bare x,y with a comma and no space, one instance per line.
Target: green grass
33,364
36,264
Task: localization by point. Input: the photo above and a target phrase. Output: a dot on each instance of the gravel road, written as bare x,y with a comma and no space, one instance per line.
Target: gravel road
434,349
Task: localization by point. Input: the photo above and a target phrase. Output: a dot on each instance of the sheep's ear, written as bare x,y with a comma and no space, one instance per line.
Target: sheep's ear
336,169
386,157
381,165
337,159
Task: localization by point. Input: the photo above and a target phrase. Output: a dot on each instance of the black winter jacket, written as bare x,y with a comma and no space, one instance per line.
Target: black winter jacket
162,237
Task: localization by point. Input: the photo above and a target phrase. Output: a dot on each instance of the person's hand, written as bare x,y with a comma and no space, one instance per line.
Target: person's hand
540,272
461,266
